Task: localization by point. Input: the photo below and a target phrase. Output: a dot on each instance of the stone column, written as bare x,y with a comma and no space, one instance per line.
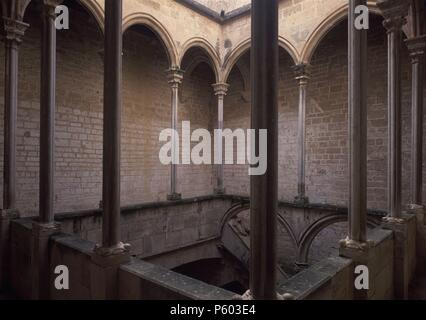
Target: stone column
357,102
302,73
417,47
355,245
394,13
107,258
264,115
175,77
14,30
45,227
220,90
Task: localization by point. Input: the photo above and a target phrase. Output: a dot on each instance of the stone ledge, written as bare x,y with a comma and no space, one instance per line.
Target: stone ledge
308,281
180,285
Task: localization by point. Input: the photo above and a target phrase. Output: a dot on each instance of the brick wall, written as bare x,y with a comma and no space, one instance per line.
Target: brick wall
327,122
79,118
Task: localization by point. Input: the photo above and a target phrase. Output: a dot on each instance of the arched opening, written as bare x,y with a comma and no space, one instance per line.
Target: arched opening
327,118
78,127
146,111
198,106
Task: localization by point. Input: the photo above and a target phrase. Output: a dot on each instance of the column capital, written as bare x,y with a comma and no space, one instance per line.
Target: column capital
417,47
394,12
14,29
220,89
302,72
51,5
175,76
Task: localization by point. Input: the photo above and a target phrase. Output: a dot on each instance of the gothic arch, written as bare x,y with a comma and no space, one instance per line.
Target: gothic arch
311,232
245,45
93,7
207,48
243,206
154,25
326,26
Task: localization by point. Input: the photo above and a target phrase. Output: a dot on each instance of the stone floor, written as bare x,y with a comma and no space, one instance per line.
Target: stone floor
418,289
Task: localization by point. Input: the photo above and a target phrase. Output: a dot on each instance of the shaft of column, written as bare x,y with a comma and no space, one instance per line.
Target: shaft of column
47,112
394,13
264,115
302,73
220,90
175,77
357,102
14,30
112,123
417,47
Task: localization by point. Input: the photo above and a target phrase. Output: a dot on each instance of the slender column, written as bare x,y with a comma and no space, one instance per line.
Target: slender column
220,90
417,47
47,111
175,77
357,102
302,74
264,115
14,30
112,128
394,13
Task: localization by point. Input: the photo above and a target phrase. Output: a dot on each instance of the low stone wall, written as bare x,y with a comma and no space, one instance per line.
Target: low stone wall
329,279
156,228
74,253
141,280
20,257
334,278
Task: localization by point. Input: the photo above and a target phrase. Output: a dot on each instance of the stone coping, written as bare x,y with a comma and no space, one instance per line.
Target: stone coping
310,280
235,198
181,284
83,246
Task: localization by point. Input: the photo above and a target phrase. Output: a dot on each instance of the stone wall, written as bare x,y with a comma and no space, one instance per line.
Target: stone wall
79,118
327,121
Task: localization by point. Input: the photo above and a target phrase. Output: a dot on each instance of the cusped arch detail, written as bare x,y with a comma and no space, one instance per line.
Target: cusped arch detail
243,206
312,231
154,25
326,26
232,59
208,49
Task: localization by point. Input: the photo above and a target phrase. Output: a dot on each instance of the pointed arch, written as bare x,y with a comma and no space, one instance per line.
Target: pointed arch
207,48
326,26
245,45
154,25
95,9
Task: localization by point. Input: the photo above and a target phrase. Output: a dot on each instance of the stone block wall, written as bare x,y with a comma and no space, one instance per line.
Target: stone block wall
156,228
79,117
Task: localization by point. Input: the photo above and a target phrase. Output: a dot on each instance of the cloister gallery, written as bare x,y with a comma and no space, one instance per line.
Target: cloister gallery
83,185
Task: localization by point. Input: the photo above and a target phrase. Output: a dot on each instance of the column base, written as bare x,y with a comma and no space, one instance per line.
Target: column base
41,269
404,230
104,270
361,254
219,191
419,212
301,200
247,296
6,216
174,197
